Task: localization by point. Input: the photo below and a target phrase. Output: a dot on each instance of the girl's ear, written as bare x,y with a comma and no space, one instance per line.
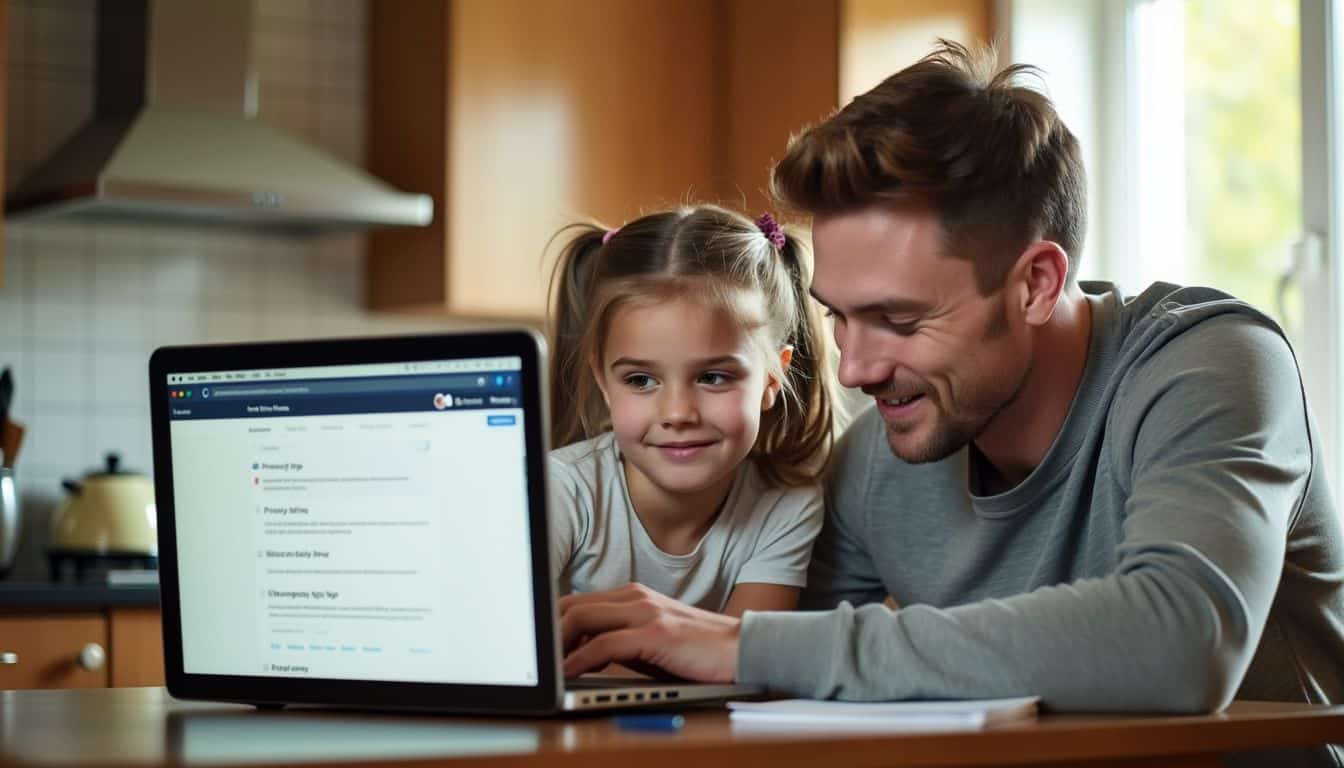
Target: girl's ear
601,383
774,385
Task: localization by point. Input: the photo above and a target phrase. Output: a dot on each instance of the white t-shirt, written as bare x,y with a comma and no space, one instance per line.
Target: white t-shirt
763,534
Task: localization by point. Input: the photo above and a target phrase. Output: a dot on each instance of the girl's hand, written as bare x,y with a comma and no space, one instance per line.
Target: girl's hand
635,625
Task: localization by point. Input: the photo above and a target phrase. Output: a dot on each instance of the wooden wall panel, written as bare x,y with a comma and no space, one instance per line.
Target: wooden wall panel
778,73
563,110
879,37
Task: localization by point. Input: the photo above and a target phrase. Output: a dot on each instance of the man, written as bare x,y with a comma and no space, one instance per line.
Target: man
1115,503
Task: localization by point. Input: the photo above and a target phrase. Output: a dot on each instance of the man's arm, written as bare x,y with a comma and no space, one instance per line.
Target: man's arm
1220,456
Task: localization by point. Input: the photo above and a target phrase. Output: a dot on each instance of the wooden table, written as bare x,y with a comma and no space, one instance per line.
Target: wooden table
144,727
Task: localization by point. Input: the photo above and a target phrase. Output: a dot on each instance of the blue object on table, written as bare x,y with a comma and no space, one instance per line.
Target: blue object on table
662,723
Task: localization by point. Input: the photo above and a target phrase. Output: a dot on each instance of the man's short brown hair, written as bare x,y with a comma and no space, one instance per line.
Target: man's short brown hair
989,155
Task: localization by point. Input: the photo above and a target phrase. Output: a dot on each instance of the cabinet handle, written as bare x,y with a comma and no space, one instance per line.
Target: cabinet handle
92,657
9,657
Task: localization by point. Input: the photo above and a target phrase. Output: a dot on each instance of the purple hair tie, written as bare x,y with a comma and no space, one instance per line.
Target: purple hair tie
610,233
771,229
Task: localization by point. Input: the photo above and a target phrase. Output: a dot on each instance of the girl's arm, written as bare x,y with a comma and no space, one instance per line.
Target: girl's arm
761,597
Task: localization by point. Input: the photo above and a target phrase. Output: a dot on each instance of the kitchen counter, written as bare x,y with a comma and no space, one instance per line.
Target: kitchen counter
45,594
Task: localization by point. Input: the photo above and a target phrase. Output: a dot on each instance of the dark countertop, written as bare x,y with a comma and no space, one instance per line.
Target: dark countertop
46,594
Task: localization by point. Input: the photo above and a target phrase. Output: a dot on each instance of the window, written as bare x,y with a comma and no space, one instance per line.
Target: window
1208,133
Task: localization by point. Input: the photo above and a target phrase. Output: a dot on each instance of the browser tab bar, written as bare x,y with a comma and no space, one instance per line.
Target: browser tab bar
481,365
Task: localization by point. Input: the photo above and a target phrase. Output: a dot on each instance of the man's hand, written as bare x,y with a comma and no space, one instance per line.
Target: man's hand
635,625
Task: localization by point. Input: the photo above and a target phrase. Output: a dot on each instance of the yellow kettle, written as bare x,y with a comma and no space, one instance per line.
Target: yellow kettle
109,517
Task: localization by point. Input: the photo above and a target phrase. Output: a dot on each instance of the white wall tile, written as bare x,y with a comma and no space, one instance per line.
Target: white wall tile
232,277
61,273
281,326
174,276
231,325
12,304
61,378
120,379
12,353
121,321
117,260
173,325
57,442
127,435
60,321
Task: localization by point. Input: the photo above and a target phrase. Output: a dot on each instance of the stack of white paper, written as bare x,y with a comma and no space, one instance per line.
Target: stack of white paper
794,714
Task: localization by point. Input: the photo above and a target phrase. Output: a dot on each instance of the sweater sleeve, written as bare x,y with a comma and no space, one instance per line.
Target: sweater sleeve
1214,444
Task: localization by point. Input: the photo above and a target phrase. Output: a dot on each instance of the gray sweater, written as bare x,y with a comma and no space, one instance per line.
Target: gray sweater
1177,546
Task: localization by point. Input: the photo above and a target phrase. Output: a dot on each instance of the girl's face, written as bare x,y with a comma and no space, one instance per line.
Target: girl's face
686,388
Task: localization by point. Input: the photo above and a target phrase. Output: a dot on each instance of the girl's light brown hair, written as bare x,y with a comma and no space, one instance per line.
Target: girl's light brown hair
989,155
711,255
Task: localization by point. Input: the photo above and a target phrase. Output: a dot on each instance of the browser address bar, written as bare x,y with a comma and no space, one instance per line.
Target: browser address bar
258,391
453,382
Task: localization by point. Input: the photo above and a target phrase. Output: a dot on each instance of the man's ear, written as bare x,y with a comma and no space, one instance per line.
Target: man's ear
774,385
601,383
1040,277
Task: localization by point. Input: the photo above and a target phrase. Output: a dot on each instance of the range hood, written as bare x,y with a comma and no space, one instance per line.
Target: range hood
174,136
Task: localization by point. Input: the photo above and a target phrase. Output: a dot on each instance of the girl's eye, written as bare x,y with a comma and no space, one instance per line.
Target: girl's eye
639,381
716,378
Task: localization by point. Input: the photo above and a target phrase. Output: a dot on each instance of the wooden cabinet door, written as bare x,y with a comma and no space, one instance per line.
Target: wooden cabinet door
53,651
136,635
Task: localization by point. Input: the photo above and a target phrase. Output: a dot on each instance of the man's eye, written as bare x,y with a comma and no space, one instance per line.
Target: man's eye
903,329
639,381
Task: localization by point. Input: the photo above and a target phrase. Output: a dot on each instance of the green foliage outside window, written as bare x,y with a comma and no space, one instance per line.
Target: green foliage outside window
1243,143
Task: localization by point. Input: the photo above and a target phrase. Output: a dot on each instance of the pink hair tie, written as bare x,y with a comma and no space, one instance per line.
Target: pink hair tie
610,233
771,229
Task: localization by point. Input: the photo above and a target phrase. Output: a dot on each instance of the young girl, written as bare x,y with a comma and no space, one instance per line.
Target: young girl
691,366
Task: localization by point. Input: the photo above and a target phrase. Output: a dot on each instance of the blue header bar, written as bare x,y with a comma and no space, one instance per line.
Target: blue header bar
386,394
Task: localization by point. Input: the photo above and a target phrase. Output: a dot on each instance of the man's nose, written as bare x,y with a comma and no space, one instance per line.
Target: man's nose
860,363
678,407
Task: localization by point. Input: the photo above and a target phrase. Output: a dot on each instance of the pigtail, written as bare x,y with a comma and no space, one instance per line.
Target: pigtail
571,294
796,435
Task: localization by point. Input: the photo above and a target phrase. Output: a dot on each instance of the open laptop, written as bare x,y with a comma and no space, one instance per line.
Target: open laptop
363,523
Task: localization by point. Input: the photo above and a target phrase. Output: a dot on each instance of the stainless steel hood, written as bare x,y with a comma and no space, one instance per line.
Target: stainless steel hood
174,136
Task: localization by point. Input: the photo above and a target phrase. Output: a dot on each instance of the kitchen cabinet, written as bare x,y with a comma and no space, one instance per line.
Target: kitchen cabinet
519,116
135,638
53,651
90,646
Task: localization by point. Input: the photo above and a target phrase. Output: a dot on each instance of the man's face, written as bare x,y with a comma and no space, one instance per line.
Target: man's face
940,359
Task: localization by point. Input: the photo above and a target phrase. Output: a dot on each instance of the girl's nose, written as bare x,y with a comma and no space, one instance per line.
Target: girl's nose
678,407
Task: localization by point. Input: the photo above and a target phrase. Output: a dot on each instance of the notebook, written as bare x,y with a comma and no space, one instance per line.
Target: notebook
803,714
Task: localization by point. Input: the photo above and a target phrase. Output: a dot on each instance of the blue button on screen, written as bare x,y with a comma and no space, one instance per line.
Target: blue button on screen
507,420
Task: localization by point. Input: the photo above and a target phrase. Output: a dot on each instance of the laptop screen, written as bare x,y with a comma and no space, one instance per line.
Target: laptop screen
360,522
